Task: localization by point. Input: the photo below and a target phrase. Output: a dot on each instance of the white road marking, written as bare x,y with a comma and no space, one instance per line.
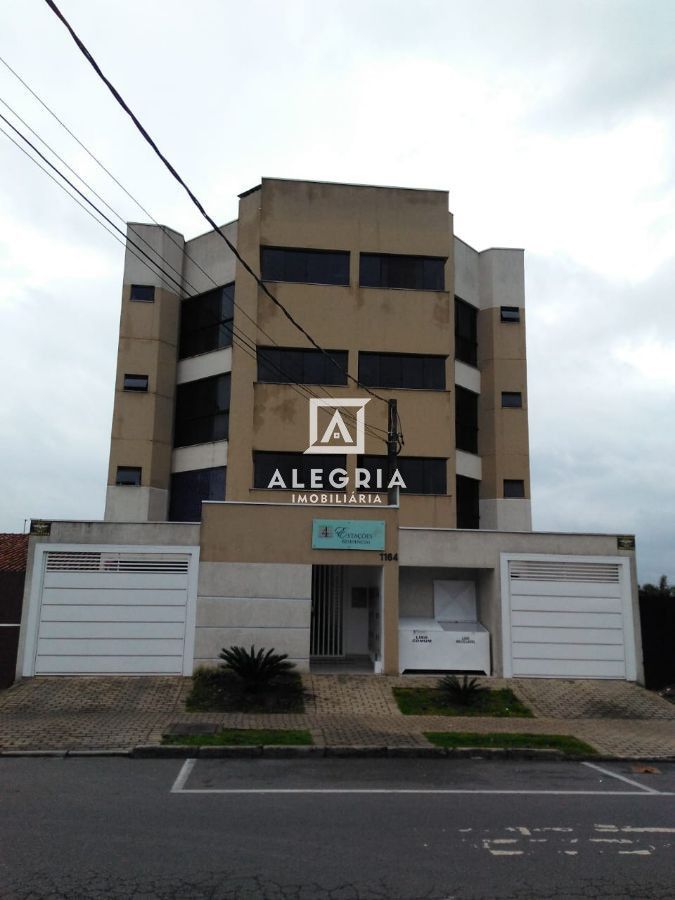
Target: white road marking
571,852
411,791
610,841
635,852
506,852
658,830
183,775
648,790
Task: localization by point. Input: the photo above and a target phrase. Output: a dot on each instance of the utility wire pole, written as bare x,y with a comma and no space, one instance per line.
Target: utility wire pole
392,450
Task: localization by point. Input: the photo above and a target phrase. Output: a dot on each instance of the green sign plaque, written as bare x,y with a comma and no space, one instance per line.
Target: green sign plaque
347,534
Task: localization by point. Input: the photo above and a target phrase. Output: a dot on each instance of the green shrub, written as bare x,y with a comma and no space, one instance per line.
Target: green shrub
462,692
255,670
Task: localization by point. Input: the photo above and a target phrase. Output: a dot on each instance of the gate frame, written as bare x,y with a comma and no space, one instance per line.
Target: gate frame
32,618
625,586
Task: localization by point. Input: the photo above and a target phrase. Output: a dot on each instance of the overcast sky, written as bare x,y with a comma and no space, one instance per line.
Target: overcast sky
551,123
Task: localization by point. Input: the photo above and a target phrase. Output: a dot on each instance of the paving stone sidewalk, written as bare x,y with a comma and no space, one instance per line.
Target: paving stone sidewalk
617,718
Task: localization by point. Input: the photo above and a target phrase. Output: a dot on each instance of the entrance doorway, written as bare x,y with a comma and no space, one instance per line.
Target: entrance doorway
346,618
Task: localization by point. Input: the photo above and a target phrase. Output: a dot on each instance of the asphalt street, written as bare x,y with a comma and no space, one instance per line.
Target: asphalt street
334,829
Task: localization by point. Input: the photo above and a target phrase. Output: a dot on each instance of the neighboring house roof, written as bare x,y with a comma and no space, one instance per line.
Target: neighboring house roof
13,552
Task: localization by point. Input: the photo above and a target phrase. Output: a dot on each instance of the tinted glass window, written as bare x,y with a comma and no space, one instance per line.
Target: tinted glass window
206,322
128,475
512,399
188,489
284,366
402,370
466,332
468,505
388,270
309,266
135,382
143,292
466,420
422,475
202,411
509,314
265,464
514,487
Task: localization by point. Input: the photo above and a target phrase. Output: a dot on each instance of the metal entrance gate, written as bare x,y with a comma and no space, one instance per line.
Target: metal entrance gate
326,626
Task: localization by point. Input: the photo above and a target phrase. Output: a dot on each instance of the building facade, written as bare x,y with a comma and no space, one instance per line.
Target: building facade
245,501
377,277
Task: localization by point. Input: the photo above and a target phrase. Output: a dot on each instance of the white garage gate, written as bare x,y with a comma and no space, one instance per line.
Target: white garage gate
567,617
112,610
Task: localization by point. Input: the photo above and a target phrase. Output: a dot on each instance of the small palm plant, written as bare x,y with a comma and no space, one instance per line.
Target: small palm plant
462,692
256,670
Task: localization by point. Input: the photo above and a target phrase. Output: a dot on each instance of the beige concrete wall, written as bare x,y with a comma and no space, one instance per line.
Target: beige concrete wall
353,218
261,605
142,427
275,535
503,437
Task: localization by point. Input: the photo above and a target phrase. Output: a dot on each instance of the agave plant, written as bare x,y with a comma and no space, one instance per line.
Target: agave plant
255,669
462,692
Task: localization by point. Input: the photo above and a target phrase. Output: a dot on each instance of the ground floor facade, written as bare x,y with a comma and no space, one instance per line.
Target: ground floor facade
336,589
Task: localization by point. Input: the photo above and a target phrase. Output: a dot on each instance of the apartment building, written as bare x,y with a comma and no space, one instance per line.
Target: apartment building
247,497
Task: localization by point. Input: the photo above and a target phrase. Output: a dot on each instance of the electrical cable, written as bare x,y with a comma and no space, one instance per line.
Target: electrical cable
150,141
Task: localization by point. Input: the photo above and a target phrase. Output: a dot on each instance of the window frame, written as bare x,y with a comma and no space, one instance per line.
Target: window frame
475,502
298,460
513,496
187,423
468,429
304,355
509,320
376,357
311,253
141,288
381,462
466,345
219,326
367,258
135,390
215,473
135,469
516,395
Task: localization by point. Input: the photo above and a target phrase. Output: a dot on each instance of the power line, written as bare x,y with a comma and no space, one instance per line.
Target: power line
143,209
120,100
245,342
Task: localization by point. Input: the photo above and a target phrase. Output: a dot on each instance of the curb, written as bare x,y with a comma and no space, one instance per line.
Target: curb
281,751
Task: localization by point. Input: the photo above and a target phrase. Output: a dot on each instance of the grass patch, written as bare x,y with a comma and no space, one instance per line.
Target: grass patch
243,737
215,690
566,742
431,702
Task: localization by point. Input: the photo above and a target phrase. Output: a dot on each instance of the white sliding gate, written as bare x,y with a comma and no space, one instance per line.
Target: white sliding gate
111,610
567,617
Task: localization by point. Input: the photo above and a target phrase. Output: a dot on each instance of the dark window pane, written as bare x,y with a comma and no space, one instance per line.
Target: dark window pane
466,332
389,270
510,314
143,292
206,322
402,370
188,489
466,420
514,487
422,475
512,399
284,365
266,463
128,475
202,411
468,504
135,382
308,266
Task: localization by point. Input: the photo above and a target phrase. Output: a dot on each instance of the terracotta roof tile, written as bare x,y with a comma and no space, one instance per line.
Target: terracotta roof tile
13,552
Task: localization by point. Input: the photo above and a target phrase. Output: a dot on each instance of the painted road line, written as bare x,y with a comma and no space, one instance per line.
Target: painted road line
439,791
182,777
648,790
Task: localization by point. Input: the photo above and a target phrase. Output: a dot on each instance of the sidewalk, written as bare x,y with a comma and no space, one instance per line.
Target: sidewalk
617,718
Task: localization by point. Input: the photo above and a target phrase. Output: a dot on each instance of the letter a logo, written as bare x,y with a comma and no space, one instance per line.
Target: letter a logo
335,436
